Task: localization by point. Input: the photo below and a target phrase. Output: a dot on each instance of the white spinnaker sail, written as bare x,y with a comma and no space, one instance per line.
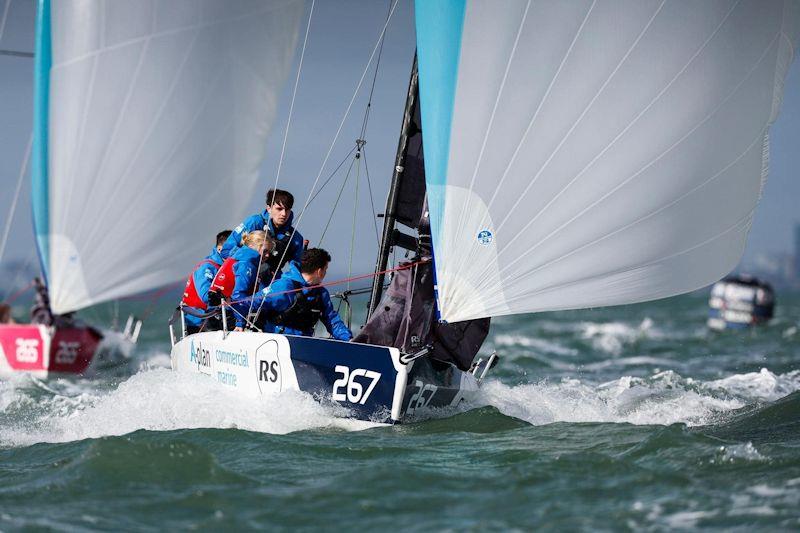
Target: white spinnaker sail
154,128
592,153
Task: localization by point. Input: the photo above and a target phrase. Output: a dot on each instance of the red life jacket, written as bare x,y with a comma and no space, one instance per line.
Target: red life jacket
225,280
190,295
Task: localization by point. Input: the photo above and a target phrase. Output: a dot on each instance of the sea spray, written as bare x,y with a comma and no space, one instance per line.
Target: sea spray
162,400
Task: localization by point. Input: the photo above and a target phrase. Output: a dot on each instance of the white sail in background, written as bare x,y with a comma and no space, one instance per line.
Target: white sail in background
155,124
592,153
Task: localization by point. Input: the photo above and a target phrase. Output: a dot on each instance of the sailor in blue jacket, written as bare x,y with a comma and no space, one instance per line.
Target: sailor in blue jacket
237,278
276,220
295,312
195,294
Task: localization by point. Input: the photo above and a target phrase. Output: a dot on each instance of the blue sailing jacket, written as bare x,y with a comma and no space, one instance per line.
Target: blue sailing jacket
274,302
246,276
202,278
282,235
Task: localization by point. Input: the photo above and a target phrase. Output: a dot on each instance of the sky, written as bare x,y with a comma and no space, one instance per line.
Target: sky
342,37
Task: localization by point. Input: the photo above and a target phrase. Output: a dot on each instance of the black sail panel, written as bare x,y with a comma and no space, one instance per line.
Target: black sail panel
405,316
411,191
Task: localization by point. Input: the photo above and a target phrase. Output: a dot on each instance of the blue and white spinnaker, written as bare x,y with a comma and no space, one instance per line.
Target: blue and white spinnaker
591,153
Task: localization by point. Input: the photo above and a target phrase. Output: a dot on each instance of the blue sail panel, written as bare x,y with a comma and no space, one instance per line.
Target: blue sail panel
41,89
439,26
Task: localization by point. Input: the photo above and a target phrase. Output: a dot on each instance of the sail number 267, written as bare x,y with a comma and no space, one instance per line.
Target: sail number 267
347,388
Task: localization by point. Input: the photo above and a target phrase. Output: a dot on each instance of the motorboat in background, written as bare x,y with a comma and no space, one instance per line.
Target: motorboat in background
740,301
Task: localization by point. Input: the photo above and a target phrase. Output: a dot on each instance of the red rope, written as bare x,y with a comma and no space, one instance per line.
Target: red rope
157,296
344,280
19,293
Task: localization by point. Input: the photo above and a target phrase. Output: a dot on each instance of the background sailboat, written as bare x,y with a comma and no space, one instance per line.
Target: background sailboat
137,107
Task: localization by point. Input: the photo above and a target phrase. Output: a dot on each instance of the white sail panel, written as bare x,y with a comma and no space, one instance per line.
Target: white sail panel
158,116
593,153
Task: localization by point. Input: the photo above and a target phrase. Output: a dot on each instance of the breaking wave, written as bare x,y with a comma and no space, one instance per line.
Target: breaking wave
155,400
161,400
662,399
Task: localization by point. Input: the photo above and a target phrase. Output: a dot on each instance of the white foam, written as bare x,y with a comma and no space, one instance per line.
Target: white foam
740,452
612,337
762,385
664,398
687,519
536,344
161,400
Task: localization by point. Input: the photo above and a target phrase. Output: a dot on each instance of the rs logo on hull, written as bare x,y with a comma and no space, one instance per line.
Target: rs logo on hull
268,371
268,368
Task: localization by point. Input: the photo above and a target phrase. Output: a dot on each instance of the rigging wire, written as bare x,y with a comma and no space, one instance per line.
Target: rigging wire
13,297
355,218
294,95
5,17
311,194
330,177
368,108
364,123
371,201
339,129
336,203
10,217
404,266
285,138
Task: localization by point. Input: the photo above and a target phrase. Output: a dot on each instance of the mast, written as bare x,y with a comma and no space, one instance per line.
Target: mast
390,214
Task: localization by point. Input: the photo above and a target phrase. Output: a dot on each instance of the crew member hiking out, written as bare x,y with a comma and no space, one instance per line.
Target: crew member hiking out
292,311
195,295
237,278
276,220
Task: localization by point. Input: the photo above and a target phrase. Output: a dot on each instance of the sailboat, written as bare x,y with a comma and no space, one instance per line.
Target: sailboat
136,106
576,154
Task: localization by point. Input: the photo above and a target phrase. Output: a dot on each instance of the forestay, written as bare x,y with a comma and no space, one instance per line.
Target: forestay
155,116
584,154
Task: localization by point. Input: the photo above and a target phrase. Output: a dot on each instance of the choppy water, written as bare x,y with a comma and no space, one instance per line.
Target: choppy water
626,418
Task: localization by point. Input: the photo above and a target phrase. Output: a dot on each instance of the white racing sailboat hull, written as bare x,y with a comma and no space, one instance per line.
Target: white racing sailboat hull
370,381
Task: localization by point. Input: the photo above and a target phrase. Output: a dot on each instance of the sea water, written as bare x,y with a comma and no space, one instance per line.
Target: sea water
633,417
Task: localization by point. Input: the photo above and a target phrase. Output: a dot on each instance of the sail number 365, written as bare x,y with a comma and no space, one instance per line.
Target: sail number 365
349,388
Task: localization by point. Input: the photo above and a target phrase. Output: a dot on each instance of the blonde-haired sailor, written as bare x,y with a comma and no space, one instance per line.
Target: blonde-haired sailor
237,278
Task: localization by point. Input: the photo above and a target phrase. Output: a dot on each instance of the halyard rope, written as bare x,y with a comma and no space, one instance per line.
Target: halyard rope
285,137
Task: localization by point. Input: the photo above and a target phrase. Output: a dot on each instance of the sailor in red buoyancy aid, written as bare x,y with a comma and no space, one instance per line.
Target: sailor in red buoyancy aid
237,278
195,295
